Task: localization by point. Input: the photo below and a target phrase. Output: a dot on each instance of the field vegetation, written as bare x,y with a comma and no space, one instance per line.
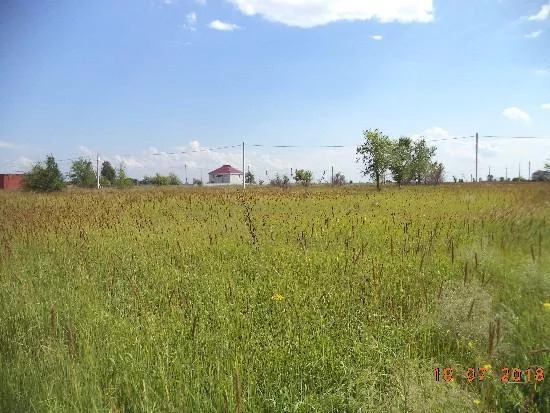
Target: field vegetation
295,299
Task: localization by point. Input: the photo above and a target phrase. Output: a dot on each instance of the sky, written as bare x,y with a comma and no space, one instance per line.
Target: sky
139,82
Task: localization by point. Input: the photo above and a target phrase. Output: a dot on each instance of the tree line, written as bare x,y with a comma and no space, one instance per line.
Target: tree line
407,160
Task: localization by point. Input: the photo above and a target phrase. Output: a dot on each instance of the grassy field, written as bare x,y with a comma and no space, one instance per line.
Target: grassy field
319,299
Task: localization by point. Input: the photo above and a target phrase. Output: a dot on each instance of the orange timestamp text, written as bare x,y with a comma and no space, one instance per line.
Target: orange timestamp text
507,375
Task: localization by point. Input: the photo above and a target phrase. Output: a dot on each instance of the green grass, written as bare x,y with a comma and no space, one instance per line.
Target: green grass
319,299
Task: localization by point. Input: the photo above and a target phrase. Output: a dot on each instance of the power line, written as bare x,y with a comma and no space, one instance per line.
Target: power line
197,150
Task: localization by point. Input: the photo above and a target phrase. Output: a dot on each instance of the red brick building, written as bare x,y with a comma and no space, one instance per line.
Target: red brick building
11,182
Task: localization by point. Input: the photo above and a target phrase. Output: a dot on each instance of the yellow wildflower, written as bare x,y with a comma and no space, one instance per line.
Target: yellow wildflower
487,366
471,344
477,401
277,297
546,306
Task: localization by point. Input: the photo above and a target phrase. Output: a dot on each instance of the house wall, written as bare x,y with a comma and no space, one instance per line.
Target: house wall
236,179
231,179
11,182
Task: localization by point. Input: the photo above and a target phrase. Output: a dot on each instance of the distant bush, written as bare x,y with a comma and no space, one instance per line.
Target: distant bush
282,182
45,177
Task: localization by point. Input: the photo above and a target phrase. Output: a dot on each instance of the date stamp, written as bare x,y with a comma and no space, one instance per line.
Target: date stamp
480,374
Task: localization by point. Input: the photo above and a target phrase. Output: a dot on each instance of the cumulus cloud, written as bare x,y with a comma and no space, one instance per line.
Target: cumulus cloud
533,35
311,13
377,37
516,114
545,106
223,26
543,14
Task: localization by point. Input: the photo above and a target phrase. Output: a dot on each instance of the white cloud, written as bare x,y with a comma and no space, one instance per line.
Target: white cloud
85,150
191,21
543,14
545,106
542,72
223,26
311,13
201,2
377,37
533,35
518,114
191,18
8,145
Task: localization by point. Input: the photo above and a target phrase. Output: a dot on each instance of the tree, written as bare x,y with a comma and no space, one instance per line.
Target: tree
401,160
339,179
303,177
280,181
197,182
82,173
45,177
174,179
249,178
108,172
541,175
122,180
436,174
490,178
421,160
375,154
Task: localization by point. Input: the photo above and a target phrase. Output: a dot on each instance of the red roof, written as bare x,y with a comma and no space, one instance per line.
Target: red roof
225,169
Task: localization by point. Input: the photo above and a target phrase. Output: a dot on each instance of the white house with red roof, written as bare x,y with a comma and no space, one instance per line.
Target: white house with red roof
225,174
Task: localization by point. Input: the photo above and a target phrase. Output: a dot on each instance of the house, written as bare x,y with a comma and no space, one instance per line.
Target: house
225,174
11,182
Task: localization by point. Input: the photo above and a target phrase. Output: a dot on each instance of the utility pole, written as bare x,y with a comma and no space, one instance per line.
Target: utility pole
244,180
332,175
477,145
506,174
97,170
519,171
529,176
185,165
489,172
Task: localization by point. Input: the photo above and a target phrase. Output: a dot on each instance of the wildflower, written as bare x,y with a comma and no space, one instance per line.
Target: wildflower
477,401
471,344
277,297
546,306
487,366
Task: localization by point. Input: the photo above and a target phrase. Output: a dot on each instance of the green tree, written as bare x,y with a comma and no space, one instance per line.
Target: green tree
303,176
421,160
45,177
122,180
249,178
375,154
82,173
436,173
339,179
108,172
174,179
401,160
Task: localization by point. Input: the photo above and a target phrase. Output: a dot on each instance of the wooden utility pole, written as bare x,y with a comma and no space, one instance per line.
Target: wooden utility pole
244,179
332,175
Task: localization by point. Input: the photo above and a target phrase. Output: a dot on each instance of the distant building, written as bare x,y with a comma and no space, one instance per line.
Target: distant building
11,182
225,174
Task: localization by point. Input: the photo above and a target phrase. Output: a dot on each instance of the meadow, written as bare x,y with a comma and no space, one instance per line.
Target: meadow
279,300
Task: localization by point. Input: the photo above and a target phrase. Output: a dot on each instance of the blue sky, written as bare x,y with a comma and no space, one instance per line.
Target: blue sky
129,78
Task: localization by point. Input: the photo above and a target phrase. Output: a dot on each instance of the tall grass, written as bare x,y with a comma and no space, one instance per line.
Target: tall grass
318,299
